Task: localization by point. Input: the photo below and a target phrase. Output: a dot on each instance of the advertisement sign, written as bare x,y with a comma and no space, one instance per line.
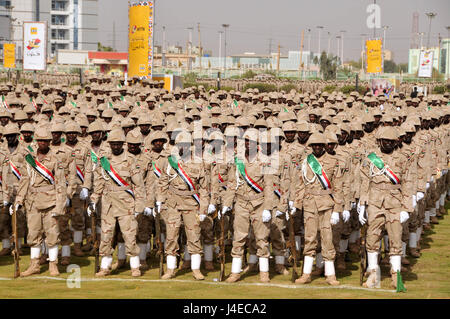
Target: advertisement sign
35,46
374,49
9,55
425,64
140,39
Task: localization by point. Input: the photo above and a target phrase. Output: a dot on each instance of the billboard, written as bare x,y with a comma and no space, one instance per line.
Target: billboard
140,39
374,49
35,46
425,64
9,55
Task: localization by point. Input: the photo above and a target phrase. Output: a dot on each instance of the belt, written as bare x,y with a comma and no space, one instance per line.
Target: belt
249,197
180,192
387,187
321,192
115,188
42,189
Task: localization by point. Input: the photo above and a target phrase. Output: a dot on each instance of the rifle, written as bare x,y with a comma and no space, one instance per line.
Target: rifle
159,244
292,248
95,242
363,253
15,251
222,248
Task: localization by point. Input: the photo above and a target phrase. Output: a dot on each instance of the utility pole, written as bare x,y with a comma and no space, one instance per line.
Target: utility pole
448,52
385,27
189,48
301,54
163,53
270,47
114,36
363,35
338,40
430,15
421,39
278,59
199,45
329,43
225,26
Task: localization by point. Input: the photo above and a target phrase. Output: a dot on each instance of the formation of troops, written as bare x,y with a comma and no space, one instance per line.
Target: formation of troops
157,166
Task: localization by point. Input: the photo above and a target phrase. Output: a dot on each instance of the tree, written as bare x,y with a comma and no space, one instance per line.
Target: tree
328,66
100,47
389,67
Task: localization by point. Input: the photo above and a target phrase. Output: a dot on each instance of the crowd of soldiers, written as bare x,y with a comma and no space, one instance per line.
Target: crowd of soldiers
130,153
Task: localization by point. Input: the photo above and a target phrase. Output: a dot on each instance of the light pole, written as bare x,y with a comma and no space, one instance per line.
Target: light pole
338,40
363,36
189,49
320,29
329,43
342,46
430,15
448,52
225,26
421,39
220,47
385,27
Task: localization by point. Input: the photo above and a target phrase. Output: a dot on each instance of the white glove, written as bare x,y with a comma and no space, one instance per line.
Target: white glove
90,209
266,216
287,215
67,202
158,207
427,185
419,195
432,178
444,171
224,210
345,216
278,213
361,217
148,211
414,201
404,216
136,214
5,203
334,218
11,212
211,209
291,204
201,217
84,194
353,204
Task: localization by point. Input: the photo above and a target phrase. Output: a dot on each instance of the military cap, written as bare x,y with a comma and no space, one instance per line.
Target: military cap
95,127
134,137
57,127
27,127
388,133
183,137
317,138
20,115
42,133
72,127
158,135
11,128
251,134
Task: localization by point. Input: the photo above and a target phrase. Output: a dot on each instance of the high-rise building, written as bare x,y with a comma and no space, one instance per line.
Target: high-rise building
72,24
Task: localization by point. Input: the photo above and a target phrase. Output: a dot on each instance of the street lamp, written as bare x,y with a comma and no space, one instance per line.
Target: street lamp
363,36
342,46
338,41
225,26
421,38
385,27
430,15
220,47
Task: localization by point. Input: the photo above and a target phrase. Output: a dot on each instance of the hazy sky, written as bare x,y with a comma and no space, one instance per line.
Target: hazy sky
254,22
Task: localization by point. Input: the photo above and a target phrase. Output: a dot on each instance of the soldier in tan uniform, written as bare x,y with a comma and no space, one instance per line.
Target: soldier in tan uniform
386,191
118,182
12,172
185,192
318,189
251,194
42,190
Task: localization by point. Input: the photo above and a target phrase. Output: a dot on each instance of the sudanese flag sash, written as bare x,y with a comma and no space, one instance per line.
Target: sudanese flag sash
378,162
156,170
15,170
80,174
40,168
185,177
222,182
106,165
316,167
242,170
277,191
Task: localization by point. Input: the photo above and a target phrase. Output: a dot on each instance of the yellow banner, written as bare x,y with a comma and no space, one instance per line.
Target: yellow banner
374,56
9,55
139,39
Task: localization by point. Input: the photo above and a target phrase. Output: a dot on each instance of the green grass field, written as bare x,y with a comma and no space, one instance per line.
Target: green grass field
428,278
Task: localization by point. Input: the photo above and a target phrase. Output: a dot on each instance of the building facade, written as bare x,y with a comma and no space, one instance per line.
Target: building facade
72,24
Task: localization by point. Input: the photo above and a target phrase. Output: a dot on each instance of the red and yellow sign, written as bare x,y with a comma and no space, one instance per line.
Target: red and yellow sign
9,55
140,35
374,49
